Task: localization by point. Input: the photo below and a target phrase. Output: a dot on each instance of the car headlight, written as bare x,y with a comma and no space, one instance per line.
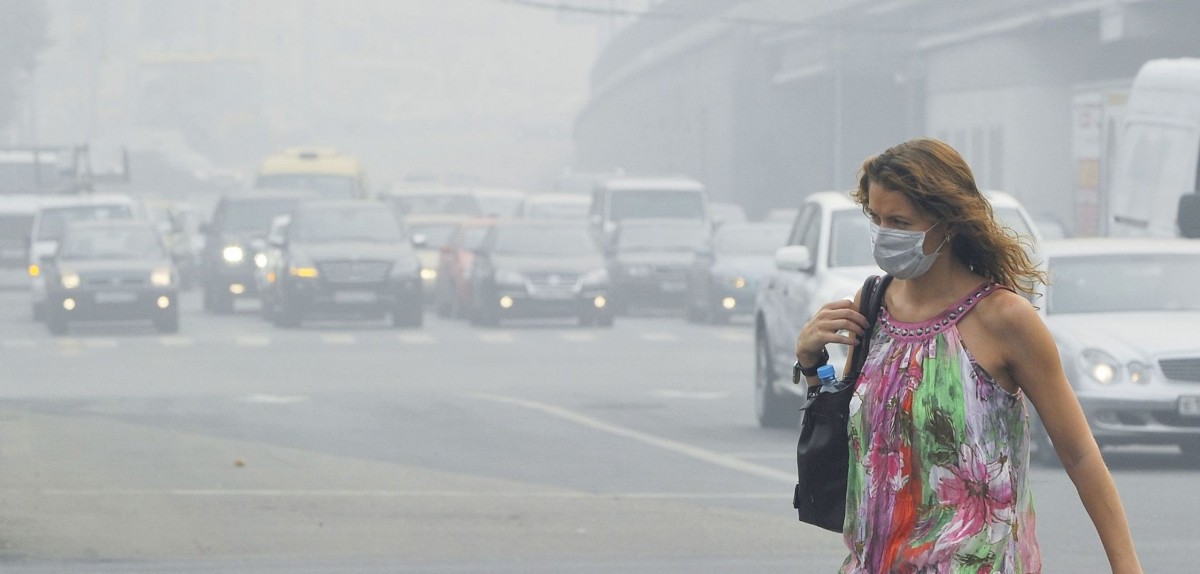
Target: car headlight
160,277
69,280
428,273
739,282
260,260
303,272
595,277
1100,366
509,277
233,254
1140,373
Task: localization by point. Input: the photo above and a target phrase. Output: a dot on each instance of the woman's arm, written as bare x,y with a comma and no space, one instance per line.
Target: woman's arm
822,329
1031,359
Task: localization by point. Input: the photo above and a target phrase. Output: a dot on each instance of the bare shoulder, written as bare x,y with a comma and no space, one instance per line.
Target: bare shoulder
1006,311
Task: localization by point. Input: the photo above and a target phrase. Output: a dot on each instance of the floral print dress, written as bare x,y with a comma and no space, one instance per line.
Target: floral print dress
938,457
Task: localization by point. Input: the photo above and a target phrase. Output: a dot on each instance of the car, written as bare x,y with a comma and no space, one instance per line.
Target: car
827,257
556,206
112,270
52,217
343,258
539,269
649,259
455,261
409,200
723,280
16,221
234,240
179,224
429,234
618,199
1123,313
499,203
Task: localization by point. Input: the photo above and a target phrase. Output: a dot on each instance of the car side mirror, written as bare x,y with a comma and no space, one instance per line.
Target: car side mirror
793,258
420,240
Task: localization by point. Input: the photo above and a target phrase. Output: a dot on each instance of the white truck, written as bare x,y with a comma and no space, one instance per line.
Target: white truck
1154,176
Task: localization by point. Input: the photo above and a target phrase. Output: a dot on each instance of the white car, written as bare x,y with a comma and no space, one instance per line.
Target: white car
1124,313
827,257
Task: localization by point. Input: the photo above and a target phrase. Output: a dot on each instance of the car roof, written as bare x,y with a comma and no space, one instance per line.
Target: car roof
1099,246
558,198
109,224
832,200
318,204
661,222
651,183
88,199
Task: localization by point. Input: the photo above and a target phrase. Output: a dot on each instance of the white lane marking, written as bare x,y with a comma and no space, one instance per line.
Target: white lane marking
415,338
688,450
100,343
177,341
696,395
764,455
259,398
660,337
338,339
69,343
253,340
735,336
345,493
499,338
578,337
18,344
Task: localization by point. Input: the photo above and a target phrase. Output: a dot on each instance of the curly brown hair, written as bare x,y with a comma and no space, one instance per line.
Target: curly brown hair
939,182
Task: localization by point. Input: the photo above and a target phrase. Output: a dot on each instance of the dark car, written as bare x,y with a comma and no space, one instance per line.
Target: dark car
112,270
649,259
724,278
350,257
539,269
234,238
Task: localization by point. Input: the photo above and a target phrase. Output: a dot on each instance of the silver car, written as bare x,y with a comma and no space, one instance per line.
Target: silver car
1125,315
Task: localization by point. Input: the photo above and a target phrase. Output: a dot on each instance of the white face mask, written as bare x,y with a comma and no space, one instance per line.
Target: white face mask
902,253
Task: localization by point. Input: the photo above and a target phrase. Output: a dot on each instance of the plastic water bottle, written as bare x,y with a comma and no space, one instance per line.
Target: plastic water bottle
829,380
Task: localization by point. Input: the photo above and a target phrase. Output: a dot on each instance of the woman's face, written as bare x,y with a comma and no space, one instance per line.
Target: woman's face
891,209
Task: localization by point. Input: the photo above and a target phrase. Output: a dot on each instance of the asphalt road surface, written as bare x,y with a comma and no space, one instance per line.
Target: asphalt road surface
353,447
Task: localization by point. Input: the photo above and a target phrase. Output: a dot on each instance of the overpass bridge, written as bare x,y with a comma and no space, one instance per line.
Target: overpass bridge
767,100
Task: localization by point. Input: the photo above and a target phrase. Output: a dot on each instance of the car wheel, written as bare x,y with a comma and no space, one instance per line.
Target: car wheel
410,316
773,411
56,323
168,322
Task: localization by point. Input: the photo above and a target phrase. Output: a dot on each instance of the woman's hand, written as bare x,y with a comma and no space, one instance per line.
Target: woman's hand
824,326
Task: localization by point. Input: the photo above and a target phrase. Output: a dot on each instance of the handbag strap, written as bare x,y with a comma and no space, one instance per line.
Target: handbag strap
869,304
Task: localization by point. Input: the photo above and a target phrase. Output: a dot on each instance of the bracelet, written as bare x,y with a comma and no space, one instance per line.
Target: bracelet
799,370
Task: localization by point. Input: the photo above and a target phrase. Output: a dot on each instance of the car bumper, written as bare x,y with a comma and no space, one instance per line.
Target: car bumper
1122,420
236,281
320,297
651,293
517,303
733,301
113,304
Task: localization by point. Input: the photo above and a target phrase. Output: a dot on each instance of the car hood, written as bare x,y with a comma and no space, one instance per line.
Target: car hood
1128,335
562,263
665,258
98,266
843,282
753,265
360,250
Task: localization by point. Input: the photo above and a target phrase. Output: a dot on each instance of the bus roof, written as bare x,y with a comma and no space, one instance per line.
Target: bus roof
310,161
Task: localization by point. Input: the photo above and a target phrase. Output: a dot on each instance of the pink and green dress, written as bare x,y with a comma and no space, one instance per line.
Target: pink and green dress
938,457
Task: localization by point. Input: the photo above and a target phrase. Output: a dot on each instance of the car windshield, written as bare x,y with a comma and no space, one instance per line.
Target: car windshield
1123,283
656,203
436,204
111,243
750,240
330,224
324,186
556,210
543,240
54,220
436,234
253,216
661,238
850,240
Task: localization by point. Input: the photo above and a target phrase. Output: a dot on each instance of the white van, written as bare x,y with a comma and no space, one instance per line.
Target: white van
53,214
1159,148
620,198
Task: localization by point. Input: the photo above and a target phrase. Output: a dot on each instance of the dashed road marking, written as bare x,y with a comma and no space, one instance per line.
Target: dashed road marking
660,337
497,338
578,337
416,338
177,341
735,336
100,343
338,339
259,398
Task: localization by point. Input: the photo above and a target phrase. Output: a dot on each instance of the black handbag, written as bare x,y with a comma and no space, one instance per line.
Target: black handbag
823,451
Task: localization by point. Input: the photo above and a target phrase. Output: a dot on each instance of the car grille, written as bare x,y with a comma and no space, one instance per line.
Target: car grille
553,280
354,271
127,281
1181,369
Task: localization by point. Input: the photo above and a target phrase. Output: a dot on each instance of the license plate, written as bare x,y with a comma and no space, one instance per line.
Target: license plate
1189,406
111,297
674,286
552,294
354,297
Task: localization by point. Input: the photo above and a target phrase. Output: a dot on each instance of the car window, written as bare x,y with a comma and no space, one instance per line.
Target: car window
537,240
1123,283
329,224
114,243
757,240
810,233
655,238
54,220
801,224
656,203
252,216
436,234
436,204
850,240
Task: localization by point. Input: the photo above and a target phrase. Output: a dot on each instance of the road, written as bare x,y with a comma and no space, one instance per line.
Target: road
346,446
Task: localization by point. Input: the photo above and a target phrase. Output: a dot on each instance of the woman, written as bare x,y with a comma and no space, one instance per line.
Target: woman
938,429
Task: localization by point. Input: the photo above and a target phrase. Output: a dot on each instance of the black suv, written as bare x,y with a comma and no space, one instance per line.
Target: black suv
343,257
234,240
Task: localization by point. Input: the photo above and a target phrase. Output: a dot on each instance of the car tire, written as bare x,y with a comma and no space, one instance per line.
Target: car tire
168,322
56,323
772,410
409,317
